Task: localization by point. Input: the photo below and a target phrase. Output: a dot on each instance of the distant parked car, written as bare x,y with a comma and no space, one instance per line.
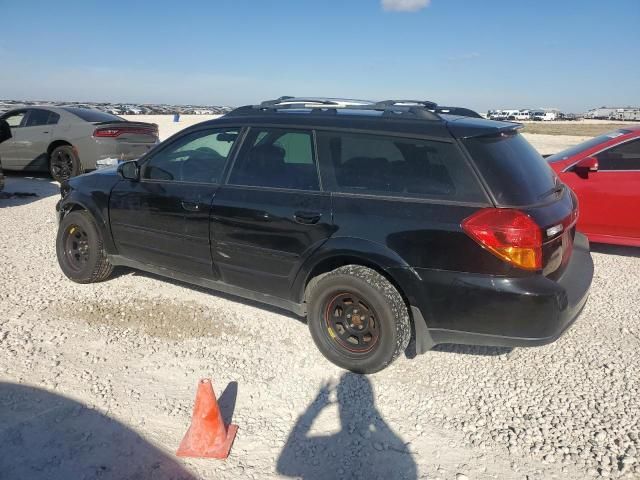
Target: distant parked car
605,174
67,141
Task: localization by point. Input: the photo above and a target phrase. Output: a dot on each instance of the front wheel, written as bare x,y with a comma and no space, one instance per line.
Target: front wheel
80,250
64,164
358,319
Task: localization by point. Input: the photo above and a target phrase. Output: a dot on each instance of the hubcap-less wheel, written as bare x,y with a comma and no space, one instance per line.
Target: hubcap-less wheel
76,247
62,165
351,323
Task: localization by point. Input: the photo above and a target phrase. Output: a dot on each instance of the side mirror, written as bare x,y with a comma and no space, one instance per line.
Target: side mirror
588,164
129,170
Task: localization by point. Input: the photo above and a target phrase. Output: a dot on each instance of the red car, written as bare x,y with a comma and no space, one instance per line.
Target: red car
604,172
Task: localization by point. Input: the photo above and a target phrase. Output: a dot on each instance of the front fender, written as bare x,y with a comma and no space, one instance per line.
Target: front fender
97,204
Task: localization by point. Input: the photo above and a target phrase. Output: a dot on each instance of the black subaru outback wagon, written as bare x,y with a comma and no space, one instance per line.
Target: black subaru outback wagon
373,220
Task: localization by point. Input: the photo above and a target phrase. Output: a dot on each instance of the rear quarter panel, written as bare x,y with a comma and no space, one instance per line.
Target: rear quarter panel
424,234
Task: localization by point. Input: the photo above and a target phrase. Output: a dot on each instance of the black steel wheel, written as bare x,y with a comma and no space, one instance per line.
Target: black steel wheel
357,318
80,250
76,247
352,323
64,164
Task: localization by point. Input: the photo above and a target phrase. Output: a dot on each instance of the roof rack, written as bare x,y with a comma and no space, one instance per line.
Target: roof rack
423,109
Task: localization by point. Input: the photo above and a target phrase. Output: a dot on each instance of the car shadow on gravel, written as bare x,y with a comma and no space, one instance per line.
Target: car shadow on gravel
21,189
365,447
48,436
616,250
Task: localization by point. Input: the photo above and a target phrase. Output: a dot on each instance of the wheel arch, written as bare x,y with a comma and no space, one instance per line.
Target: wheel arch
338,252
77,202
57,143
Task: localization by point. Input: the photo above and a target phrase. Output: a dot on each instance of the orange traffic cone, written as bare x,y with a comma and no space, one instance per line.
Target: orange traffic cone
207,437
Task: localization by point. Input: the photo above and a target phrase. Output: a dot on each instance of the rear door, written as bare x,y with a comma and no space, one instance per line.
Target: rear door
271,214
36,136
163,219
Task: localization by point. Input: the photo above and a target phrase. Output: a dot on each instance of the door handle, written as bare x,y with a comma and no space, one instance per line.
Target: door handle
191,206
307,218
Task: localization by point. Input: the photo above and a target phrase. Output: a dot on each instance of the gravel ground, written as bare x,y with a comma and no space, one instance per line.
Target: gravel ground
97,381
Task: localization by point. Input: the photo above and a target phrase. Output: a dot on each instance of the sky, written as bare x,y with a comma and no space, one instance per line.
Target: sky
481,54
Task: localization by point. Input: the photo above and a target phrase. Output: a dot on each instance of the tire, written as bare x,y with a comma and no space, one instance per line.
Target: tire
358,294
80,249
64,164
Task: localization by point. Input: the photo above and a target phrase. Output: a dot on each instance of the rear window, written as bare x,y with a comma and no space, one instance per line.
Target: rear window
516,173
581,147
393,166
89,115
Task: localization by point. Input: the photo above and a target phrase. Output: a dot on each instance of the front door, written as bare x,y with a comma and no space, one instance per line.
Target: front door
163,219
610,197
271,214
10,150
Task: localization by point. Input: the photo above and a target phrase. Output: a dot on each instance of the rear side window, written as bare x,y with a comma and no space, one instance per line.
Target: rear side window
276,158
37,118
89,115
622,157
393,166
516,173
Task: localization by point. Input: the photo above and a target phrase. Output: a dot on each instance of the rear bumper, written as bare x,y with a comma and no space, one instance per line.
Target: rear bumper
454,307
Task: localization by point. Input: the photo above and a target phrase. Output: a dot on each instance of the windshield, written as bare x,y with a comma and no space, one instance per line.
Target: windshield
581,147
514,170
89,115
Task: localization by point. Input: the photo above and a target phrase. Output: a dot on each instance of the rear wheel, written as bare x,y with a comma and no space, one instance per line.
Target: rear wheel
80,249
64,163
358,319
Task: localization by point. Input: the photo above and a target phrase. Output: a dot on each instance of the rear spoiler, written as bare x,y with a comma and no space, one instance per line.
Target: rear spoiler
460,111
467,127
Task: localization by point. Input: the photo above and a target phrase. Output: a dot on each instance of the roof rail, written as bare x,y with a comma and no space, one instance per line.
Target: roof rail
407,103
390,108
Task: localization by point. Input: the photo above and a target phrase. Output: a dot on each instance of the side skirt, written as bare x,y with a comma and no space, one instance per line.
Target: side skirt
297,308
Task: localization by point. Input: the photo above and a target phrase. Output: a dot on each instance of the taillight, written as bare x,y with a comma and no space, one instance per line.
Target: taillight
509,234
112,132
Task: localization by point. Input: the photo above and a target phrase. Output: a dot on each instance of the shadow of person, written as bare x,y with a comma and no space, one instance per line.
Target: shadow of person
47,436
364,448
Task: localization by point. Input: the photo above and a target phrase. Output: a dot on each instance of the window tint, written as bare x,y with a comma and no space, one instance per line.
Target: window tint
363,163
15,119
622,157
196,157
276,158
90,115
514,170
41,117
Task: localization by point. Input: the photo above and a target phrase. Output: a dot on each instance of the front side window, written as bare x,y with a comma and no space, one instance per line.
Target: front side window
196,157
622,157
276,158
15,119
372,164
